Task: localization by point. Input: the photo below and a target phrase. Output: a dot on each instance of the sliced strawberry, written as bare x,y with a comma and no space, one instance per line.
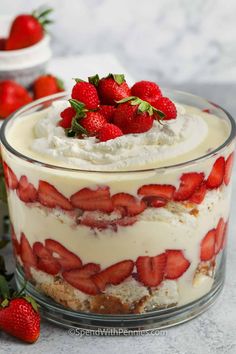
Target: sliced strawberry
176,264
67,259
27,256
50,197
132,206
207,248
151,269
216,175
94,223
26,191
82,278
189,183
10,177
45,261
225,235
220,230
164,191
126,221
154,202
15,243
114,274
228,168
91,200
199,194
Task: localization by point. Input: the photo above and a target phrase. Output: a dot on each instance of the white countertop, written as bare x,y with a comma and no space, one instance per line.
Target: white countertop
211,333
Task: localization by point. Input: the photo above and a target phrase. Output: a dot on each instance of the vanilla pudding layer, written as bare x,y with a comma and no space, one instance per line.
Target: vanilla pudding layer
191,135
155,231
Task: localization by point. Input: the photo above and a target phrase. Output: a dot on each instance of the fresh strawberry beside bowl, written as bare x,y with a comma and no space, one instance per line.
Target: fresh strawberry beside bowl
24,54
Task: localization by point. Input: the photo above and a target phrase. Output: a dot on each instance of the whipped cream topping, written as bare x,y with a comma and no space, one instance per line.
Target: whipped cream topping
164,141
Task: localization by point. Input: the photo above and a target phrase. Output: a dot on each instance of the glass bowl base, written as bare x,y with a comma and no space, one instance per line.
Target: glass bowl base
118,324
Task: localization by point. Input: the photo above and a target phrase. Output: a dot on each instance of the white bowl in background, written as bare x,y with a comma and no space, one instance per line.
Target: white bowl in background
23,65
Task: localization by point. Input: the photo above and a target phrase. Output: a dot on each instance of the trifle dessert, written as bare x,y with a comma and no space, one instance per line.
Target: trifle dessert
119,197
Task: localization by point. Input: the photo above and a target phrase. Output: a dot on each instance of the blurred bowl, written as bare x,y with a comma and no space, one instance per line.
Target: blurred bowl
23,65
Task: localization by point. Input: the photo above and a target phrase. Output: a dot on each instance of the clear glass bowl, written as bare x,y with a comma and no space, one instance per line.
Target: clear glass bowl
93,261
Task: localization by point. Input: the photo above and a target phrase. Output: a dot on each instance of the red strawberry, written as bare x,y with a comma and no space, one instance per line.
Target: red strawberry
220,230
114,274
113,88
82,278
151,269
94,223
50,197
15,243
12,97
206,110
131,205
19,317
199,194
165,191
88,199
67,115
216,175
3,43
107,112
165,105
108,132
128,118
228,168
10,177
207,248
189,183
86,93
27,30
47,85
225,235
147,91
176,264
67,259
27,255
93,122
45,261
154,202
26,191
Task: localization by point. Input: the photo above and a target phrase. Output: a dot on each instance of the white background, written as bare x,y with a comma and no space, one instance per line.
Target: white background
167,40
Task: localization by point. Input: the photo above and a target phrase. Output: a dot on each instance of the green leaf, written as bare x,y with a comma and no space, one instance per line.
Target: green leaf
44,13
4,303
78,106
78,80
32,302
126,99
94,80
4,289
119,78
77,128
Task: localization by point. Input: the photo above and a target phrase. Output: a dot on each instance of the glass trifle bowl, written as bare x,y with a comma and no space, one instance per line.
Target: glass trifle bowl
138,246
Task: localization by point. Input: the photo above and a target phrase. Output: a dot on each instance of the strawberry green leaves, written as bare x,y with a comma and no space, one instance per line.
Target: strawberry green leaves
143,106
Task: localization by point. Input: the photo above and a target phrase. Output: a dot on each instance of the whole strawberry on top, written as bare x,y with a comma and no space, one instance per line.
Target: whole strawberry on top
12,97
111,88
27,30
46,85
107,109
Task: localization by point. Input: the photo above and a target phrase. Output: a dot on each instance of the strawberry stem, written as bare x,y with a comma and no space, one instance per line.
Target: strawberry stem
143,106
42,16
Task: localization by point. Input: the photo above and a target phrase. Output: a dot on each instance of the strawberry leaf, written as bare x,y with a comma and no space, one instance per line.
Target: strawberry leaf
78,106
78,80
118,78
4,303
4,288
126,99
32,302
94,80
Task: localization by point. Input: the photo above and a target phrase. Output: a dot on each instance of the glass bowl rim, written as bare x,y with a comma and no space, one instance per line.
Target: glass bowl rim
4,142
